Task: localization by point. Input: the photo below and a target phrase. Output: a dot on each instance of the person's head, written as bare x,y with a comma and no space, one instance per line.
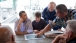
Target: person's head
61,11
37,16
51,6
23,15
70,29
6,35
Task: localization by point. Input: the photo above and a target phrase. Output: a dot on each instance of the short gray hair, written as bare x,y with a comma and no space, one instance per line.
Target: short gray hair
72,25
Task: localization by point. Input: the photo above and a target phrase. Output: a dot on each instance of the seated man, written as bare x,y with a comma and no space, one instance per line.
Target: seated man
23,25
38,24
6,35
70,34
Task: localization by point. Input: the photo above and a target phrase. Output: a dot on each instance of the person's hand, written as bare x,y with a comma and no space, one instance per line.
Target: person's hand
21,20
51,22
60,39
19,33
60,30
19,24
36,31
39,34
25,32
61,36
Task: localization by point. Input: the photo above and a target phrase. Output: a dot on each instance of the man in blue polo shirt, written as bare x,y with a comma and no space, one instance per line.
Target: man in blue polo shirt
49,14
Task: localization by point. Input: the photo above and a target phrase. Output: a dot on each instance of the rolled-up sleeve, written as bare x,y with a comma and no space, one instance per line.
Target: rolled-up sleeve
53,21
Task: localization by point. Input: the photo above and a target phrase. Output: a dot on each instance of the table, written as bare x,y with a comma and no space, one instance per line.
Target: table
21,39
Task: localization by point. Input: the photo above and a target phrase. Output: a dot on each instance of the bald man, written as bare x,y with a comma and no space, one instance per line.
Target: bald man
49,14
6,35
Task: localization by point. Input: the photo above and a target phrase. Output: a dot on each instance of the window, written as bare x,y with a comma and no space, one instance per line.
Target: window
9,9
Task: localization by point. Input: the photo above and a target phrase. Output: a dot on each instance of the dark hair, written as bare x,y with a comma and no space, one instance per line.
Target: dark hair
38,14
20,13
61,8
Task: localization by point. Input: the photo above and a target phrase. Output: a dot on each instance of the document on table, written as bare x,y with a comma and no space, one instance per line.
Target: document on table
32,36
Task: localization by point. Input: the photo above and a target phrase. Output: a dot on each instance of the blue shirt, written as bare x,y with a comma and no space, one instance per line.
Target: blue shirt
25,26
47,15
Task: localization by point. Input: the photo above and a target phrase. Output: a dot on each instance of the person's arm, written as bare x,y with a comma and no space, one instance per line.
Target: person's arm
19,33
56,40
17,27
59,39
19,24
30,28
47,28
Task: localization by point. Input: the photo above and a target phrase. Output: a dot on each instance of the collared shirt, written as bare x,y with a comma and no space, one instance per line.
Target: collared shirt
72,40
25,26
47,15
61,21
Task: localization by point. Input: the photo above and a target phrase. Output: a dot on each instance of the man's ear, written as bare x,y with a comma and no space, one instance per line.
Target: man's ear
13,38
70,34
20,17
65,13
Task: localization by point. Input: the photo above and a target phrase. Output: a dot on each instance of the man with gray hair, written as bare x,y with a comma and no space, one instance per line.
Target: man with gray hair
70,34
6,35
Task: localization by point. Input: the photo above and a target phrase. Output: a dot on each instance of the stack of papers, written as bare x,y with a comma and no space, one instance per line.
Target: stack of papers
52,33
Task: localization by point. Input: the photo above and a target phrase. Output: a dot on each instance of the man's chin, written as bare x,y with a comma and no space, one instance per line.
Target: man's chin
25,19
37,21
60,17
